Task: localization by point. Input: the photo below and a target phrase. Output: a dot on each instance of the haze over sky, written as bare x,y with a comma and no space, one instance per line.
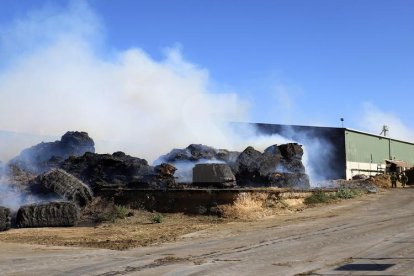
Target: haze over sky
282,61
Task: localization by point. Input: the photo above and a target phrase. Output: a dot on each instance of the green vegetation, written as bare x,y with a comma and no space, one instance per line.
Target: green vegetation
320,196
346,193
157,218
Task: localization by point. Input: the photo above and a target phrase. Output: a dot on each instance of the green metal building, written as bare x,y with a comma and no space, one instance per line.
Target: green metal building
368,153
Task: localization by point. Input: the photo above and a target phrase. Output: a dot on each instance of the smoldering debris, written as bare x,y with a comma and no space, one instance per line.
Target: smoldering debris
289,180
198,153
251,167
65,176
118,170
52,214
291,160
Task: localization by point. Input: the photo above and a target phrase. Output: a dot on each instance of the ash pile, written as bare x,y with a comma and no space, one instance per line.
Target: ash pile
56,181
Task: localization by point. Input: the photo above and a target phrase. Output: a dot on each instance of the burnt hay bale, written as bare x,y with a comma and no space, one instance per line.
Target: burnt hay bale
66,186
254,166
53,214
197,152
291,151
217,175
5,218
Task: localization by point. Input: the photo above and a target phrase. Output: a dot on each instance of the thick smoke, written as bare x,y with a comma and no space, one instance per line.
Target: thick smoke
59,77
317,153
12,196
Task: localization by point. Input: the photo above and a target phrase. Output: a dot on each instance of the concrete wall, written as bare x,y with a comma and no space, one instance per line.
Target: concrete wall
354,168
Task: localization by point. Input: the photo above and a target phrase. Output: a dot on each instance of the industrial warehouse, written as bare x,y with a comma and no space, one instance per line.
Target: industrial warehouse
344,152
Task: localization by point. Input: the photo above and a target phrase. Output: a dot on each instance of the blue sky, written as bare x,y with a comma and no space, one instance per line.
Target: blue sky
289,61
333,55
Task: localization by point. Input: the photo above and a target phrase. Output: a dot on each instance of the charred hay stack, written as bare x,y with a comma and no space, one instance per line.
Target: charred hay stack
278,166
198,152
118,170
5,218
44,156
69,169
53,214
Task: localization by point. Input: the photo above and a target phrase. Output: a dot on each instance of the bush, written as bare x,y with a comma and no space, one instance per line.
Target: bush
157,218
318,196
346,193
322,197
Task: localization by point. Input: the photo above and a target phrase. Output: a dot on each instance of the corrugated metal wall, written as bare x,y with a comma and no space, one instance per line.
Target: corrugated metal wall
402,151
366,153
366,148
363,147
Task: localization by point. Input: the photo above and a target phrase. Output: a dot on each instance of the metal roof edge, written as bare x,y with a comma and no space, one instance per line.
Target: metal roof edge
285,125
337,128
379,136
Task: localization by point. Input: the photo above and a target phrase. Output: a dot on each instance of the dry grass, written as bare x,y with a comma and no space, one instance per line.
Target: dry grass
381,181
246,206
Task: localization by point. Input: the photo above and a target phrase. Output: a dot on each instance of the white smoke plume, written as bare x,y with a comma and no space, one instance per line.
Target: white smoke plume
373,120
58,76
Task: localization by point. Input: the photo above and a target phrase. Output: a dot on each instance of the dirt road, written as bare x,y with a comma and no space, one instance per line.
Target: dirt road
373,235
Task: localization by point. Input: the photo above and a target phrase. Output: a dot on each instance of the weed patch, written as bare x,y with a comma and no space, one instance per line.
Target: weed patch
346,193
157,218
319,196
